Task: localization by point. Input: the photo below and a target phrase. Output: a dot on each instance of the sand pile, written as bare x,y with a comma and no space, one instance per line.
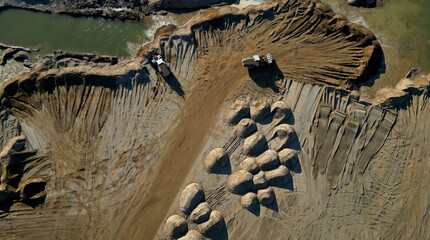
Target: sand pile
201,213
246,127
259,181
239,182
268,160
192,235
254,143
216,160
280,111
238,110
175,226
249,201
259,110
249,165
191,196
208,222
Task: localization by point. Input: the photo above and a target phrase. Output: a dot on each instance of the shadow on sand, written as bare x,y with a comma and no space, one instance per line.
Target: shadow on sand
266,77
174,84
171,80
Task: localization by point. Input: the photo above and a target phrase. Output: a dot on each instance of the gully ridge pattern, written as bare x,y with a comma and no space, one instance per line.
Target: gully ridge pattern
252,179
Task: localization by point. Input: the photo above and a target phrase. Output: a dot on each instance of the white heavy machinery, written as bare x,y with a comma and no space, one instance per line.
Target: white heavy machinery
161,66
257,61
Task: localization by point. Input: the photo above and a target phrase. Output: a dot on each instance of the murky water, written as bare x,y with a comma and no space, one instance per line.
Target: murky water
403,29
78,34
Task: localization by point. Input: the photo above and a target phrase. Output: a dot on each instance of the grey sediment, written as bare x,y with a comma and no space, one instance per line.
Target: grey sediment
120,10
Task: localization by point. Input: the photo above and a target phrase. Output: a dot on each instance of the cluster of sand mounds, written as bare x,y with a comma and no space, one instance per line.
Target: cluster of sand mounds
192,205
341,133
255,175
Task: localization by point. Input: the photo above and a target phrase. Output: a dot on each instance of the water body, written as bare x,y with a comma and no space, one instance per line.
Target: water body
403,29
50,32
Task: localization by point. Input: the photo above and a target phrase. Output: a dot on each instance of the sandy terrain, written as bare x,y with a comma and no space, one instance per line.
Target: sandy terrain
109,147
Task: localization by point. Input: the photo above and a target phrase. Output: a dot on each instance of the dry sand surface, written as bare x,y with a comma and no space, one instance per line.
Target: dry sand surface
105,150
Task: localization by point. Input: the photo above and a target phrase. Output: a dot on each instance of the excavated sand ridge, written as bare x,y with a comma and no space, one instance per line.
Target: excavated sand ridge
109,148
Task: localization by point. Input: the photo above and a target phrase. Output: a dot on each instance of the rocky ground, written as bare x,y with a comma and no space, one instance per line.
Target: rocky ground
101,148
17,53
122,10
